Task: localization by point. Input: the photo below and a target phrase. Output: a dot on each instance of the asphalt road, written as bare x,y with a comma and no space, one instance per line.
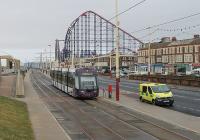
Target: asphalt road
187,99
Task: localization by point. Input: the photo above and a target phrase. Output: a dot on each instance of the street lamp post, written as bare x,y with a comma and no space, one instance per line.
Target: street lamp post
41,62
73,53
0,68
117,51
149,61
46,59
110,65
50,56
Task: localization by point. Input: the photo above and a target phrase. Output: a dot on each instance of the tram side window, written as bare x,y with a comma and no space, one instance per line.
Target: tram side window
67,79
56,75
51,73
76,82
71,80
64,78
59,77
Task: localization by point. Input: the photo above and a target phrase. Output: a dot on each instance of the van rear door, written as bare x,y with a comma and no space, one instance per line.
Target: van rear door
144,92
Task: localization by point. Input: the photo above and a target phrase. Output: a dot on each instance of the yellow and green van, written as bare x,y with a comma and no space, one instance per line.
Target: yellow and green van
158,94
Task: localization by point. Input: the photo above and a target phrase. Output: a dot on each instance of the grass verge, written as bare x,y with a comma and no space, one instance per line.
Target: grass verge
14,120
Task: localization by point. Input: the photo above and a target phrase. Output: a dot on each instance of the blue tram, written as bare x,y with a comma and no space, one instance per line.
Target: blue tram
79,82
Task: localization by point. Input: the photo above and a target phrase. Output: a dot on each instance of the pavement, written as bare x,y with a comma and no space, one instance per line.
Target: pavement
179,119
44,124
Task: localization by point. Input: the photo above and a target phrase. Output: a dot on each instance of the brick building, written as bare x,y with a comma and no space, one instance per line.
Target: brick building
171,55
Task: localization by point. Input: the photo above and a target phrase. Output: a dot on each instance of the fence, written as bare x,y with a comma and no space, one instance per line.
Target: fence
169,79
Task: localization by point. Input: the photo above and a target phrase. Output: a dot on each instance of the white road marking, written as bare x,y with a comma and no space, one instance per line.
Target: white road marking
188,108
194,99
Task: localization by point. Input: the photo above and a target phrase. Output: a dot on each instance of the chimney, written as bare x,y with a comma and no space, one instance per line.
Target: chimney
196,36
174,38
165,39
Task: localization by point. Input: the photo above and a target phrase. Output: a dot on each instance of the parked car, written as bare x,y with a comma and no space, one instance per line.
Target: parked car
122,73
195,72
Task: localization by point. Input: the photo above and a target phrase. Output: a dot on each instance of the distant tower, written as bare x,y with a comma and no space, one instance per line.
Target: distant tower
57,51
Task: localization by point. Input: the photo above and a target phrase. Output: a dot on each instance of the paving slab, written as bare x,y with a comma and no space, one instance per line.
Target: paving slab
179,119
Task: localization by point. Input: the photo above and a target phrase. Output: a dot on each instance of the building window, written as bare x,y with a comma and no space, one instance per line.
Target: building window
188,58
159,60
186,49
173,59
154,51
181,49
196,58
173,50
190,49
165,59
153,60
167,50
139,61
196,48
159,51
146,60
147,52
170,59
179,58
124,58
143,59
163,50
170,50
178,50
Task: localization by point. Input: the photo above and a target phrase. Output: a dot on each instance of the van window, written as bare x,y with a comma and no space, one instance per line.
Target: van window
144,89
149,90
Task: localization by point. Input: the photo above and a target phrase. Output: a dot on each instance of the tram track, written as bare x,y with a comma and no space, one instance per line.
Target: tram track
103,115
51,103
105,130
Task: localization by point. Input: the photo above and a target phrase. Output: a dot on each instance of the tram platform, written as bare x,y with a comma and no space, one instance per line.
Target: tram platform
131,101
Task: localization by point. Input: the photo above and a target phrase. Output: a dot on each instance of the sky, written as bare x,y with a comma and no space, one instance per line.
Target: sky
27,27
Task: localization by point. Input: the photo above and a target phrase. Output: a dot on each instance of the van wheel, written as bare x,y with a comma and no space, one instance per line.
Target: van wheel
153,102
141,99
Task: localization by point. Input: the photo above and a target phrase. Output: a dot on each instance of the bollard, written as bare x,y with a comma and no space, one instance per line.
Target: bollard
109,91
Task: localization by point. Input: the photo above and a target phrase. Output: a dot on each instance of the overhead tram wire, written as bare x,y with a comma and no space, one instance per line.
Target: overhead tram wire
167,22
149,34
137,4
183,29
